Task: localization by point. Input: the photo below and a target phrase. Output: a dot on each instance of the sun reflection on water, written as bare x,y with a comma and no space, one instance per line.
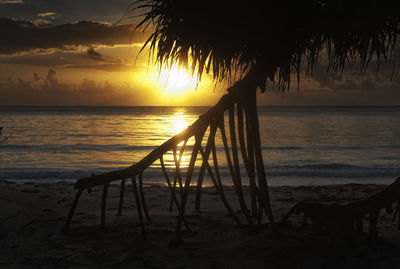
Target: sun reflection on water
177,123
180,123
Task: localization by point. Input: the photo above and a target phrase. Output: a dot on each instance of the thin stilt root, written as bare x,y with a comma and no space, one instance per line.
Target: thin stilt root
72,210
220,190
252,119
142,199
204,164
138,205
103,205
177,176
249,166
236,168
178,206
121,197
189,174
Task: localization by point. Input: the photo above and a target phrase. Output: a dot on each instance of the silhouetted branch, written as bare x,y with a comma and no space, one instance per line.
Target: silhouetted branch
121,197
142,199
346,220
177,176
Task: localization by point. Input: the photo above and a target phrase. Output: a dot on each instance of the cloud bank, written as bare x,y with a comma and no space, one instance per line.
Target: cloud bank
49,90
67,10
22,36
10,2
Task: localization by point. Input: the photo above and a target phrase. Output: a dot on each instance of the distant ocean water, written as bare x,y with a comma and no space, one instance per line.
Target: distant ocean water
301,145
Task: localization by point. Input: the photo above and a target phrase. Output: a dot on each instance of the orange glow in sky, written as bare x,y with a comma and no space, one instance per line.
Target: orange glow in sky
175,86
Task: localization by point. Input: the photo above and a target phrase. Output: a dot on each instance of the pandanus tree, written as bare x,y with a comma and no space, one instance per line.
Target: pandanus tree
246,44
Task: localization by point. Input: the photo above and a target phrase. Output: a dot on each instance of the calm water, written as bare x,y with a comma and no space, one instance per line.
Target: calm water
301,146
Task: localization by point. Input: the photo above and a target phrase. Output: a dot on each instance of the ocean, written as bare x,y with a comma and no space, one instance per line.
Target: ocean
301,145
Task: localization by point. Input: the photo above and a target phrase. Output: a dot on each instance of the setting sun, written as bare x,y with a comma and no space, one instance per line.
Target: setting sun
176,80
173,85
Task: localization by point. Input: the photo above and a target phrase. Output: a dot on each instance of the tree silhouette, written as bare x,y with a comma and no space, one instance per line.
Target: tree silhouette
248,43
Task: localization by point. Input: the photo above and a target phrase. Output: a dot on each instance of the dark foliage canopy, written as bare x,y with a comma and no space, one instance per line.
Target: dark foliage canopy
274,38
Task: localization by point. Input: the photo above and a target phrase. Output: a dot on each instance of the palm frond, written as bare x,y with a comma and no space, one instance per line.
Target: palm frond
276,38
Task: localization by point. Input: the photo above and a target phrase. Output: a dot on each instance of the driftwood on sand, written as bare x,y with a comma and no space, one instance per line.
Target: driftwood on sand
346,220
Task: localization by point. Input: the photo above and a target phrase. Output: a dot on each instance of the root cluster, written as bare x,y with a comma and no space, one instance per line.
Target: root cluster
241,141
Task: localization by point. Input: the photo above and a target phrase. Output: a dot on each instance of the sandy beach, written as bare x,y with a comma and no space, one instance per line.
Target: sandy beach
32,217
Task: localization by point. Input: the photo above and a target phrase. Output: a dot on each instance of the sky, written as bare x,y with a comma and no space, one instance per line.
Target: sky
77,53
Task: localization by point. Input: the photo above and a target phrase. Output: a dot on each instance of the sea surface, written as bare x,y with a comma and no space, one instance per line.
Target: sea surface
301,145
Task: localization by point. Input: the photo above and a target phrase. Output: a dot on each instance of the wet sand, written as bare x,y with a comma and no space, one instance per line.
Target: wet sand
32,217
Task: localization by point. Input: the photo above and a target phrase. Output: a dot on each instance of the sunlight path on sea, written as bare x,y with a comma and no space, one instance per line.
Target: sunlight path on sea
301,145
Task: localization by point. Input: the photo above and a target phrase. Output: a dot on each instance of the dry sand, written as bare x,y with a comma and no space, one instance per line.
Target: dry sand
32,216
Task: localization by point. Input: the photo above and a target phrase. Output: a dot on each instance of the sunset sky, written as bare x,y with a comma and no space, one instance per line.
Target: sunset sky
55,52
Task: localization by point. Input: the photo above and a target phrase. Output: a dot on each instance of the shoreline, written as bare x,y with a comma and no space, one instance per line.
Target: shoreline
273,182
33,214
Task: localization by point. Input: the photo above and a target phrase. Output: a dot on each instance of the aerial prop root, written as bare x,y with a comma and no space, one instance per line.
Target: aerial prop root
177,175
247,133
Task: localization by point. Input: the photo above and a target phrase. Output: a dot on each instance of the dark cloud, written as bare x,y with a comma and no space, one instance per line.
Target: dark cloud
36,77
100,58
51,74
108,67
327,97
48,59
102,63
10,2
90,59
91,53
19,36
353,81
350,88
67,10
49,90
